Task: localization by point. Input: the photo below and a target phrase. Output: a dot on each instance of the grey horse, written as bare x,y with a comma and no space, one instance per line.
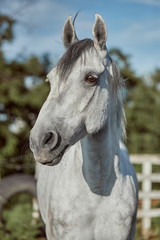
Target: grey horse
87,187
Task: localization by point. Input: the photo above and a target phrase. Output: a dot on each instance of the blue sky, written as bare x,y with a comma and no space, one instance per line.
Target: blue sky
133,26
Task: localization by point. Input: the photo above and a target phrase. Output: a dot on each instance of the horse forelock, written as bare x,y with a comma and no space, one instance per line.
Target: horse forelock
72,54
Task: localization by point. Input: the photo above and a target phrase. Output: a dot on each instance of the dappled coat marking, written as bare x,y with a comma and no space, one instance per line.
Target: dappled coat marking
86,185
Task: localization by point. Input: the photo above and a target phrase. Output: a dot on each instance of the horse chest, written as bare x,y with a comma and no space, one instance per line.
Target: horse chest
81,218
72,211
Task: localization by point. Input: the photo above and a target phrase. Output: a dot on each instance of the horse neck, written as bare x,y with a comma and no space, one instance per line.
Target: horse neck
99,152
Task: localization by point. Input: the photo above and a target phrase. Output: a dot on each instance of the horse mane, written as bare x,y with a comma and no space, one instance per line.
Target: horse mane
116,83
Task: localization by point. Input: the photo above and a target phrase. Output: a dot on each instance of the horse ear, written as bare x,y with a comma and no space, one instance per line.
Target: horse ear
99,32
69,36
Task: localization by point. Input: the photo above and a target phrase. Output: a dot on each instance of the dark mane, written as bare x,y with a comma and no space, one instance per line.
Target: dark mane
72,54
69,58
117,82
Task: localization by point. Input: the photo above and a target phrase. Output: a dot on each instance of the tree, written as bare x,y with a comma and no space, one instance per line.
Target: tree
142,104
20,226
22,93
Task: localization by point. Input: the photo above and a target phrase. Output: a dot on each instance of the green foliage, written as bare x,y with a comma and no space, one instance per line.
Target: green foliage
6,28
18,221
155,226
142,112
142,104
22,93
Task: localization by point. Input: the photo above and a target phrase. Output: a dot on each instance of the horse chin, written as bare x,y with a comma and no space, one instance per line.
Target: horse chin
53,162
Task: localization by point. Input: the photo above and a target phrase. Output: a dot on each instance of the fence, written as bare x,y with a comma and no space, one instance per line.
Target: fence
147,194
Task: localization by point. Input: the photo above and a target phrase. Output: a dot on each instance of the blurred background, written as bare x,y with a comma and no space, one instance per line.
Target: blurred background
30,45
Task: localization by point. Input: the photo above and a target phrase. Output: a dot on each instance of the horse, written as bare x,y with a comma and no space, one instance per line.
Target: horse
86,185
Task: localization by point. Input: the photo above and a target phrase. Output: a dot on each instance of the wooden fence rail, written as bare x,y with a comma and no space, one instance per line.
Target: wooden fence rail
147,194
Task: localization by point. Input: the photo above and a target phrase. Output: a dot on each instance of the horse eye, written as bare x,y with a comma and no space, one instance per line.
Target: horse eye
91,78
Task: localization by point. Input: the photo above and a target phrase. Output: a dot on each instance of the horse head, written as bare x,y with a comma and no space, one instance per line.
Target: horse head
80,94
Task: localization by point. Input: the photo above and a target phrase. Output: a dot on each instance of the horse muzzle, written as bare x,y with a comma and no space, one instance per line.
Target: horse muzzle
47,148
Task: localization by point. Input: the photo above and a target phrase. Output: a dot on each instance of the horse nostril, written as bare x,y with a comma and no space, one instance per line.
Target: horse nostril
51,140
48,138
